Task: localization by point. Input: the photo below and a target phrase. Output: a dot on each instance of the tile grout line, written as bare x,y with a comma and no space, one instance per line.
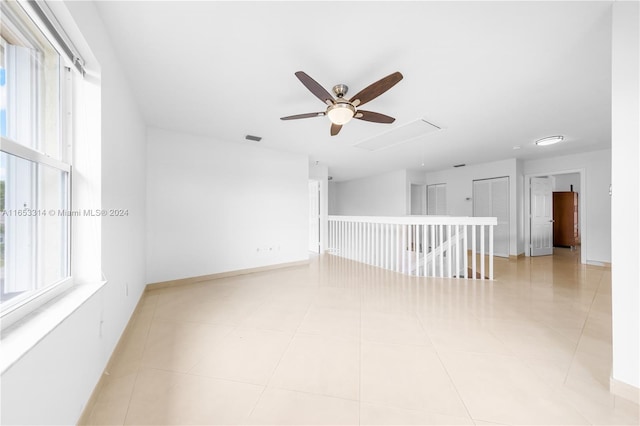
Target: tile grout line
435,349
284,352
584,324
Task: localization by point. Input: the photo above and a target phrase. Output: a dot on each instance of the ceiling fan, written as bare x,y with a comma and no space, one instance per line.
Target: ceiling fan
341,110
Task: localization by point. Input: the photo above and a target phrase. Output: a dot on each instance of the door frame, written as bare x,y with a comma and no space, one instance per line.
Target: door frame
582,214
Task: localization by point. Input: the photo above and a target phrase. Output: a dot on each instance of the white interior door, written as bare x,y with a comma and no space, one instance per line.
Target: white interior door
491,199
314,216
437,199
541,216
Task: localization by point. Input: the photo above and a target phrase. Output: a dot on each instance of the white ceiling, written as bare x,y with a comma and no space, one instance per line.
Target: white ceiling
492,75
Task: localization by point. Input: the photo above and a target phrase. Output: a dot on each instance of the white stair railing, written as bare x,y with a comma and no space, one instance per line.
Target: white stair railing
427,246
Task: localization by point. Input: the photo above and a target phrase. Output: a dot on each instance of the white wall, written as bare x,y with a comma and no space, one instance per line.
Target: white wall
459,183
52,382
333,198
388,194
563,182
216,206
626,193
520,213
596,222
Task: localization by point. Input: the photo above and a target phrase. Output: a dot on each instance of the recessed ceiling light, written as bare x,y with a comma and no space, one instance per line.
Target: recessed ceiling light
516,147
550,140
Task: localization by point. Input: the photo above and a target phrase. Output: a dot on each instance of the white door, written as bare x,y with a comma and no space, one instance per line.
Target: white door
491,199
314,216
437,199
541,216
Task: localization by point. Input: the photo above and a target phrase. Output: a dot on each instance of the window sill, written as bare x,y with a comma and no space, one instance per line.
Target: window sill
19,338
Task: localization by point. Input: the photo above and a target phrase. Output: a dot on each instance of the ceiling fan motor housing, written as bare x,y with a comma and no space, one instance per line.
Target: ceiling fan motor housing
340,90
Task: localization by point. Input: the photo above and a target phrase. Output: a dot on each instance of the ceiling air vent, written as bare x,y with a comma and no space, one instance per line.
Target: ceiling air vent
459,165
253,138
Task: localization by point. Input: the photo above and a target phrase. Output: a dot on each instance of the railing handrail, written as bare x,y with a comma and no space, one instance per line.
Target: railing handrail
419,220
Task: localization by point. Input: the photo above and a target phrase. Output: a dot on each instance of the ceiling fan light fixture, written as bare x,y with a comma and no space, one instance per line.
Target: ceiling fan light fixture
549,141
341,113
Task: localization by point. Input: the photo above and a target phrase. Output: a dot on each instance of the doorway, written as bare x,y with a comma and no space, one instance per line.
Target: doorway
418,200
537,241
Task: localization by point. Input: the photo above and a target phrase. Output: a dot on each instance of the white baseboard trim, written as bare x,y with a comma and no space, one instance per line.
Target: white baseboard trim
624,390
193,280
606,265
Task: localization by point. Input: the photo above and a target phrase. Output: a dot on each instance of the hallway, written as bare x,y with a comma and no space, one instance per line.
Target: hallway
338,342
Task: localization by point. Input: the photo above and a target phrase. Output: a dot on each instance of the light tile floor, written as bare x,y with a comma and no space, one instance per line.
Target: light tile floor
338,342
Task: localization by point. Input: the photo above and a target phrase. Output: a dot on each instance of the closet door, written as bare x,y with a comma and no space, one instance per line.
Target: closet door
491,199
437,199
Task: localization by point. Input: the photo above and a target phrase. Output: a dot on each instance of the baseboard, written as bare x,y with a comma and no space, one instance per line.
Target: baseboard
85,416
516,257
201,278
605,265
624,390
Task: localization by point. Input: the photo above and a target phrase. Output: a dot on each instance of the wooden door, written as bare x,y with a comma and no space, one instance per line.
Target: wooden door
565,216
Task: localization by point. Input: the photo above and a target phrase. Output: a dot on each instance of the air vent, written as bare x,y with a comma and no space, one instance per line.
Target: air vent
459,165
398,135
253,138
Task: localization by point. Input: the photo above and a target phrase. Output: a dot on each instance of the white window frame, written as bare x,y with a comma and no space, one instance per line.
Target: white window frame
17,311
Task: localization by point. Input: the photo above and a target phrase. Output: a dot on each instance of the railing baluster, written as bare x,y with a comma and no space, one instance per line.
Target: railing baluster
433,250
415,247
474,271
457,250
490,252
385,246
449,251
396,248
378,244
398,253
404,249
465,253
441,245
424,250
366,242
482,252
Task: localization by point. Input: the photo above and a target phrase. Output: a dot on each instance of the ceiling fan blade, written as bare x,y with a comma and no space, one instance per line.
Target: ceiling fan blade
376,89
315,88
307,115
335,129
376,117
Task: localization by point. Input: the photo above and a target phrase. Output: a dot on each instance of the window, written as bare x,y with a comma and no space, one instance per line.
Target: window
35,169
